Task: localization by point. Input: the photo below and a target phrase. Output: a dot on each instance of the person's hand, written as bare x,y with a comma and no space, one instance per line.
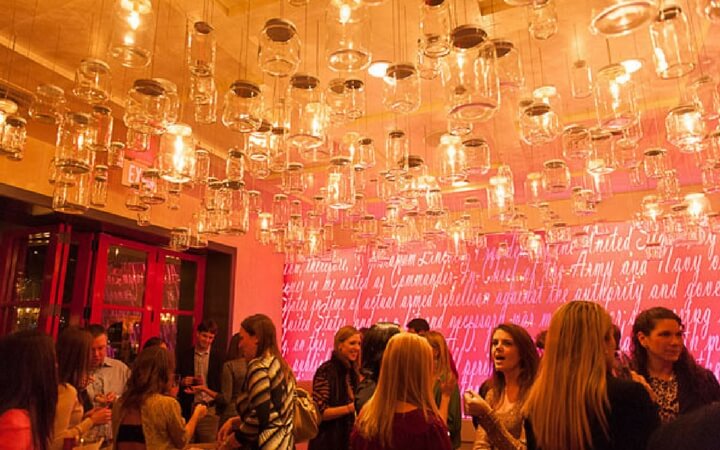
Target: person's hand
475,405
200,411
226,429
187,381
196,389
110,397
100,416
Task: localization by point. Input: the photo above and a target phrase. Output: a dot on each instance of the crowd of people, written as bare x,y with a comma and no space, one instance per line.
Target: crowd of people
381,389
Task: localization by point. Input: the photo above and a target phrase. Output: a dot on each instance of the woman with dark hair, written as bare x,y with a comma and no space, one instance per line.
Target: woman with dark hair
659,354
334,386
266,406
148,414
233,375
515,364
28,391
373,345
71,420
154,341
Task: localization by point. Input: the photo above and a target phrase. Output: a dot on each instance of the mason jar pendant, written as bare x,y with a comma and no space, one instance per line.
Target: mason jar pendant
706,96
543,19
347,46
132,37
279,48
99,186
469,75
673,48
539,124
581,81
396,152
509,64
655,162
237,220
477,153
201,48
306,113
74,143
242,108
453,161
176,156
620,17
71,193
102,123
435,28
341,187
148,107
685,128
576,142
401,88
602,158
153,189
615,98
93,81
48,104
556,176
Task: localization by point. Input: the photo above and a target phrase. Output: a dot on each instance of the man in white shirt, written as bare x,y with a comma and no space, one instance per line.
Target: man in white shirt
108,376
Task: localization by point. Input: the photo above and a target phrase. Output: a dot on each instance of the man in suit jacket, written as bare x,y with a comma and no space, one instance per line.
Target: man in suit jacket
200,371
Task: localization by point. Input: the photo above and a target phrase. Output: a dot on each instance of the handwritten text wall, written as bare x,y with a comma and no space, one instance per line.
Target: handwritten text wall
465,299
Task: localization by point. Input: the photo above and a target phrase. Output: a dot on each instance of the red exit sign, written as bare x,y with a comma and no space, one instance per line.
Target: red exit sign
132,172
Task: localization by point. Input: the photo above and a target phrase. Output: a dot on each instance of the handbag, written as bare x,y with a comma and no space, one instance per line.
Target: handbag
306,417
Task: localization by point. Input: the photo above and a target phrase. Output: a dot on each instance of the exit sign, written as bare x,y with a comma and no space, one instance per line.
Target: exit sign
132,172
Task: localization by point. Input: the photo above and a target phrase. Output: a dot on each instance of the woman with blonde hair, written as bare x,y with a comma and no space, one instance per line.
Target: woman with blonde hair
334,385
446,390
402,414
575,403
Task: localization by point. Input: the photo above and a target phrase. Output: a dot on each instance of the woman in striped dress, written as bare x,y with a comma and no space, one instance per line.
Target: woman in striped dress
265,409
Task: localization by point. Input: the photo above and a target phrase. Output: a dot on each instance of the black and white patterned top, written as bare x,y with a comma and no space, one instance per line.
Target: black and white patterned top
666,392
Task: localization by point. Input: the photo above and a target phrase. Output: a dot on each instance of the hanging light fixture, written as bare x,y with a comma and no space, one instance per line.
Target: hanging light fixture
602,159
453,161
132,41
93,81
543,19
201,48
576,142
435,28
509,64
401,88
306,115
615,98
176,156
581,80
242,108
279,48
47,106
620,17
685,128
347,43
673,47
655,162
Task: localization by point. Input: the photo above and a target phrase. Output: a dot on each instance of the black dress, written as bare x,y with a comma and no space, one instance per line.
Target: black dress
333,385
631,420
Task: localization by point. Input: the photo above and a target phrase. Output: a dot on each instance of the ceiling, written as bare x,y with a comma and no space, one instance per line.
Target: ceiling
43,41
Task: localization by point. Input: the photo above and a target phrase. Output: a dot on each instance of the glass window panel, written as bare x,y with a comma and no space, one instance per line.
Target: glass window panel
29,273
70,273
124,330
126,276
176,330
179,281
24,317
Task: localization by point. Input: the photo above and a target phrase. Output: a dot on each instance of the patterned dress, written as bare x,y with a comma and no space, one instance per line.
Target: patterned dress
266,407
668,400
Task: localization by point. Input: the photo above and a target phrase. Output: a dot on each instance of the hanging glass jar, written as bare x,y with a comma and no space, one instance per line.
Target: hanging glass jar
235,164
396,152
13,134
259,142
477,154
203,94
201,48
278,151
602,158
655,162
343,152
305,113
711,178
173,196
202,165
534,192
198,234
74,142
293,179
48,104
427,66
509,64
620,17
583,203
254,201
263,227
71,193
706,95
576,143
469,75
242,108
615,98
668,187
147,107
93,81
341,187
543,19
258,168
176,157
685,128
102,124
556,176
501,202
132,200
581,80
99,186
355,98
279,48
453,161
673,48
132,37
237,220
280,211
336,98
459,127
365,155
401,88
295,233
539,123
116,155
179,239
435,28
347,45
710,9
153,190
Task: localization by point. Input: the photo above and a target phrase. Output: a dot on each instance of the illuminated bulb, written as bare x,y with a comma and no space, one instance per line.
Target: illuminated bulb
378,68
697,205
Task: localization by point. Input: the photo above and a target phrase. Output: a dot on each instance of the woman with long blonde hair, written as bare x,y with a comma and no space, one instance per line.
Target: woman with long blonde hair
402,414
445,387
575,403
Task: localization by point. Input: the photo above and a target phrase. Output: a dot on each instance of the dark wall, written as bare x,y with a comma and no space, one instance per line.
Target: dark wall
218,290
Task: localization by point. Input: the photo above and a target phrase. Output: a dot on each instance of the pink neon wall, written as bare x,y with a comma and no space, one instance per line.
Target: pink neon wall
466,299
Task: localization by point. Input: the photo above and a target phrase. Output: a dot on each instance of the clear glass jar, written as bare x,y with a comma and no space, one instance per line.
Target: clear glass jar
341,187
539,123
581,80
469,75
293,179
278,149
336,98
93,81
132,200
711,179
576,142
685,128
132,37
655,162
602,159
13,135
556,176
147,107
401,88
396,152
673,45
706,96
615,98
116,155
74,143
427,67
173,196
668,187
501,201
179,239
173,99
279,48
509,64
259,142
243,107
176,156
102,123
583,203
280,211
365,154
237,221
543,19
355,98
453,161
235,164
710,9
435,28
99,186
620,17
347,45
71,194
306,113
201,48
198,230
477,153
203,94
153,189
48,104
202,165
258,168
254,201
534,192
